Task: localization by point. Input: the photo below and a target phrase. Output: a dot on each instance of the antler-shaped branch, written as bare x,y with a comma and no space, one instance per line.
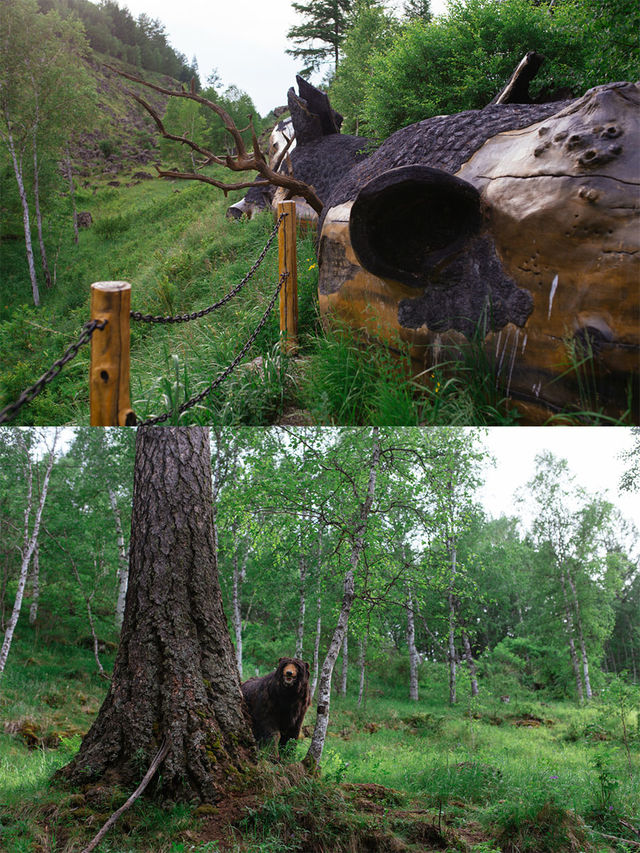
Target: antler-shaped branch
243,161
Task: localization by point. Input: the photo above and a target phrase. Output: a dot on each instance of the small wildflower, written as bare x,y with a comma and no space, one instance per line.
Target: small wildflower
313,266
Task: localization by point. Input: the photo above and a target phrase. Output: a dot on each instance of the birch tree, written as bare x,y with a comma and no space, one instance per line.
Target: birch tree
33,508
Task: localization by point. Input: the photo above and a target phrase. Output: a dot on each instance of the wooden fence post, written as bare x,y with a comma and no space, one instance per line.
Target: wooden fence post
109,400
287,262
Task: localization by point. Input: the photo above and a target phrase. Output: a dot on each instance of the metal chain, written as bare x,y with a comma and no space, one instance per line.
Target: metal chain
27,396
219,379
183,318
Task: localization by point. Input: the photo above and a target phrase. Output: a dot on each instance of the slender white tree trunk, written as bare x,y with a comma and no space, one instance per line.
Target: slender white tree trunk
36,195
316,649
17,170
302,606
363,669
345,663
239,575
72,195
451,651
570,630
30,541
471,664
413,652
123,560
316,747
583,648
35,586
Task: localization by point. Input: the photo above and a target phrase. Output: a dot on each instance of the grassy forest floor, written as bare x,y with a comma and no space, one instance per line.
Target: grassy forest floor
535,775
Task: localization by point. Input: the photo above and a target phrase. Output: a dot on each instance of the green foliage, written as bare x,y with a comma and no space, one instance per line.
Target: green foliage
462,59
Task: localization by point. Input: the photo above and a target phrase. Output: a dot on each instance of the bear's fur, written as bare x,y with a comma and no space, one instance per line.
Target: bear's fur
278,702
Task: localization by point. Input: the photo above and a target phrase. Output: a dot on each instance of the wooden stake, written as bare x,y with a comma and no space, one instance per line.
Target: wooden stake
287,261
109,400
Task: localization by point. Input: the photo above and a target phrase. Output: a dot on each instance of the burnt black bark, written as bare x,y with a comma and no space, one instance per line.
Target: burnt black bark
175,675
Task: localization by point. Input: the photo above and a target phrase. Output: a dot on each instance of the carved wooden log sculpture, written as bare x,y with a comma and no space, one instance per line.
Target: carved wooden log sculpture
518,223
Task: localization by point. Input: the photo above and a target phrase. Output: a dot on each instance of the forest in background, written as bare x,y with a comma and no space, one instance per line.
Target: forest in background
488,678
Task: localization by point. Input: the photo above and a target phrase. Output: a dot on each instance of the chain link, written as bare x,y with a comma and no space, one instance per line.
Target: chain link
183,318
219,379
27,396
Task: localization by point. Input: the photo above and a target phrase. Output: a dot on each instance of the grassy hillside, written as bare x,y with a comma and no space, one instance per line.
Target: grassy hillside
535,775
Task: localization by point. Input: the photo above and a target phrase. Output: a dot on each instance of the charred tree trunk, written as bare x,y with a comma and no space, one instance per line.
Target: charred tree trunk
175,676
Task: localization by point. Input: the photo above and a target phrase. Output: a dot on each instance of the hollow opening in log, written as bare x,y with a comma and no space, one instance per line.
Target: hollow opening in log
407,221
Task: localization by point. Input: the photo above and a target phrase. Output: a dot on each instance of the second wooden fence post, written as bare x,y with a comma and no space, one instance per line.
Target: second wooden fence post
287,261
109,399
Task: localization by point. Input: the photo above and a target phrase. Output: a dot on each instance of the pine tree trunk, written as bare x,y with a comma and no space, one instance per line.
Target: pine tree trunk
470,663
175,676
316,747
17,170
30,540
413,652
123,560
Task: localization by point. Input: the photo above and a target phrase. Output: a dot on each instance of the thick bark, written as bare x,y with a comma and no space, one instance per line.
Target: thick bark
17,170
30,541
413,652
175,675
123,560
357,546
470,663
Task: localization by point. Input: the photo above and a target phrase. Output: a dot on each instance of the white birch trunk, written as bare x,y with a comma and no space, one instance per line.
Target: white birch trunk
35,586
36,195
362,662
583,648
17,170
302,607
318,738
30,542
470,663
316,649
123,560
569,629
413,652
345,663
72,194
239,574
451,651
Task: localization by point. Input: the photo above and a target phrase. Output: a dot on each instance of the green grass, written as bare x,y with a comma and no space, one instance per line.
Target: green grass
172,241
473,771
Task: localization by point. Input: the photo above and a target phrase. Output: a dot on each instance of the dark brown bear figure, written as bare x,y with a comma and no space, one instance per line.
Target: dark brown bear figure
278,702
